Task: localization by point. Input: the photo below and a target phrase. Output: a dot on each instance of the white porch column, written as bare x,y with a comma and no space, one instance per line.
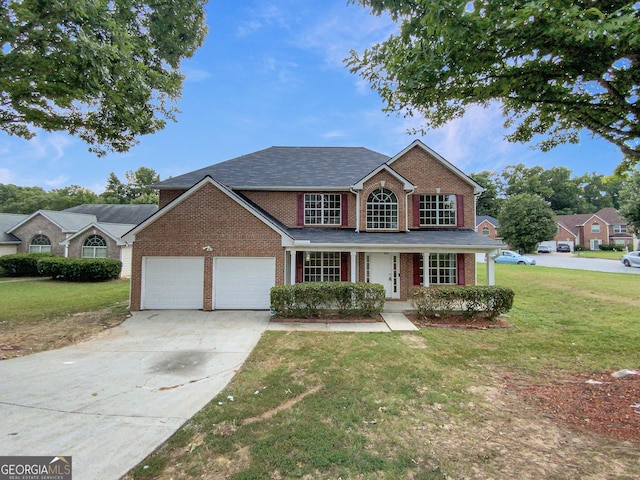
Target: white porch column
354,265
425,269
491,270
292,267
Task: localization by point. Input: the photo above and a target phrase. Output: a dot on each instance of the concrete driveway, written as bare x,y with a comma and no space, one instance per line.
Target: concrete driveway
110,401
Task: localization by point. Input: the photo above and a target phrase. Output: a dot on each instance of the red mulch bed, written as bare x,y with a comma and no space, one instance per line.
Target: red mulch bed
458,321
607,408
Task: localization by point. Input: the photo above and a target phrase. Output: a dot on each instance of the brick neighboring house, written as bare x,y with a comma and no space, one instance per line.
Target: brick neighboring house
488,226
593,229
84,231
225,234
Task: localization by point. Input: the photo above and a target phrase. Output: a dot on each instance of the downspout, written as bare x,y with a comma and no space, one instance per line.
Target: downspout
357,194
406,208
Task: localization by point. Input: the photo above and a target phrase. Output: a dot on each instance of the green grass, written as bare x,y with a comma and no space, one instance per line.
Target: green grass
607,255
40,299
382,399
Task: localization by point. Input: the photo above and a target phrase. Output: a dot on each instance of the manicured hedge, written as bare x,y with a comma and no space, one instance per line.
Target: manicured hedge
80,269
22,264
306,300
489,301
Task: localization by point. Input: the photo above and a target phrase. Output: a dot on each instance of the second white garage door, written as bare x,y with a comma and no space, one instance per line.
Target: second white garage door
172,282
243,283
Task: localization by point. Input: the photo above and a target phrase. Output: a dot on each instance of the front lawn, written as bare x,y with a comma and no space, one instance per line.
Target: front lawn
435,404
604,254
38,314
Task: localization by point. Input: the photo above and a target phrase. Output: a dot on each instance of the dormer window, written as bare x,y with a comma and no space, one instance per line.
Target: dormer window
322,209
382,210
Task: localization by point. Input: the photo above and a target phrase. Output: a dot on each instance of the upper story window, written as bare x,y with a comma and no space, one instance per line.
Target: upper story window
382,210
619,229
485,231
40,244
595,227
437,210
322,209
94,246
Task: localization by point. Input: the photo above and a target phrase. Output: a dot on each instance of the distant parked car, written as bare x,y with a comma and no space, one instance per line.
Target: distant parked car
563,247
631,259
544,249
508,256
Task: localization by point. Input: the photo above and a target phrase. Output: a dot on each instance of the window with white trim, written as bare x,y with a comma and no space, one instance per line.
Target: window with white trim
94,246
619,229
40,244
382,210
437,210
321,267
443,269
595,227
486,231
322,209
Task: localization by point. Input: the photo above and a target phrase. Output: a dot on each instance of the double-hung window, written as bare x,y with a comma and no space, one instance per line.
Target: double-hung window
443,269
619,229
438,210
322,209
321,267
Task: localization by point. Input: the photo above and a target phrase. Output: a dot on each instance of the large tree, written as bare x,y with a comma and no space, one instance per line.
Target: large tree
525,221
106,71
556,67
137,189
630,201
488,202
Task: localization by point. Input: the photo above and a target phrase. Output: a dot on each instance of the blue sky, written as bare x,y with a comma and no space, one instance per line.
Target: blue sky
271,73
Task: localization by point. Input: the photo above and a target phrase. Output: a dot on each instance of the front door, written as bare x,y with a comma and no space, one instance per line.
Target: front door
383,268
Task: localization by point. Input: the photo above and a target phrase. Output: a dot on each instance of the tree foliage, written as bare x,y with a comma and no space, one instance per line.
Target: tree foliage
137,189
630,201
488,202
525,221
106,71
556,67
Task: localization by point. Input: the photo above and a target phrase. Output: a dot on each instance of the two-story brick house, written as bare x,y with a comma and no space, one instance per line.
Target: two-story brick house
225,234
594,229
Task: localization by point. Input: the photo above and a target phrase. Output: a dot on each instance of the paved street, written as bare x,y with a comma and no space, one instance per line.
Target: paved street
566,260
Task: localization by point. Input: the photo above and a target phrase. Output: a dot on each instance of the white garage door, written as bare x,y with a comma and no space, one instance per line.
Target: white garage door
172,283
243,283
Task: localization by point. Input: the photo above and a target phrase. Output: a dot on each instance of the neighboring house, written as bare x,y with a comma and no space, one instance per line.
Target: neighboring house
85,231
594,229
8,242
226,234
488,226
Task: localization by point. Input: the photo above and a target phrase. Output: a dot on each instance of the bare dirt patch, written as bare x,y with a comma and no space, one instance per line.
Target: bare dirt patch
24,338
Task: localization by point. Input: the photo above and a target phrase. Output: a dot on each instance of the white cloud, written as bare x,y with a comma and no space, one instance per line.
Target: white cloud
6,176
195,74
334,134
59,181
263,15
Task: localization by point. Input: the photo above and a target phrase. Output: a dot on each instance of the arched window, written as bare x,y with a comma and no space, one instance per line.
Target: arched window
486,231
40,244
595,227
382,210
94,246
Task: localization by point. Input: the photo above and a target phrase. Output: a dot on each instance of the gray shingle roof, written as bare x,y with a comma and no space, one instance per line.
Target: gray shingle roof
481,218
115,213
418,238
288,167
8,221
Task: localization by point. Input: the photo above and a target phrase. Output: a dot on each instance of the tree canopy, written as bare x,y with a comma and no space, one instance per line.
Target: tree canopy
106,71
556,67
525,221
630,201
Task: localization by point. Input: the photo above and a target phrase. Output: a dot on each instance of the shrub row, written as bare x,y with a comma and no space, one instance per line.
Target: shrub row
22,264
489,301
80,269
611,248
306,300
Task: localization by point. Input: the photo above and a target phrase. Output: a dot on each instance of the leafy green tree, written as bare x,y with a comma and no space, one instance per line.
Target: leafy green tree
67,197
630,201
525,221
137,189
488,201
15,199
517,179
105,71
594,191
556,67
567,195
